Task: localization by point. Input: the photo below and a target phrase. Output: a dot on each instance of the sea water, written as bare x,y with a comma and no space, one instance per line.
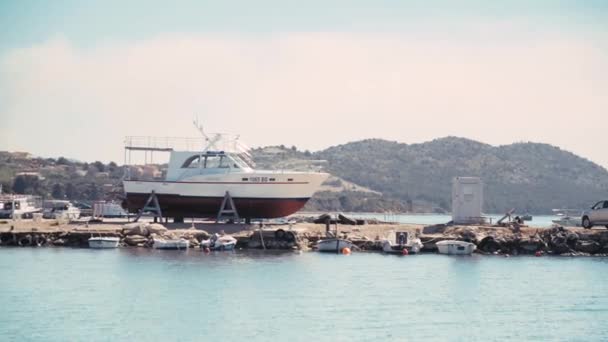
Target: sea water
538,221
63,294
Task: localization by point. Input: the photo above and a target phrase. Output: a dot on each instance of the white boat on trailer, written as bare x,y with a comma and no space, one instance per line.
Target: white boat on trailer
455,247
198,180
171,243
103,242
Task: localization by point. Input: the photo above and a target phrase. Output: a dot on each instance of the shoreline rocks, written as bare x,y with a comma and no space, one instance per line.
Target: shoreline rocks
557,241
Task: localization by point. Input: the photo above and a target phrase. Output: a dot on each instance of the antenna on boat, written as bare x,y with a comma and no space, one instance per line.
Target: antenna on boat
200,128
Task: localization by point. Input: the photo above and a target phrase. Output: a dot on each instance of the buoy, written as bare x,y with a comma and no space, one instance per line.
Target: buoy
538,253
346,251
405,252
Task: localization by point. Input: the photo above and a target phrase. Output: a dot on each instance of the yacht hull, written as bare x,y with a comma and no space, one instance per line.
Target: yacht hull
196,206
255,195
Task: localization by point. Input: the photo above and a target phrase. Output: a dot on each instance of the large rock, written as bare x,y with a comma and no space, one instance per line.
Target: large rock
588,246
156,228
136,228
489,244
434,229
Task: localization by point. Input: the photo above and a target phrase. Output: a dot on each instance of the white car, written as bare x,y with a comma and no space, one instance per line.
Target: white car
598,215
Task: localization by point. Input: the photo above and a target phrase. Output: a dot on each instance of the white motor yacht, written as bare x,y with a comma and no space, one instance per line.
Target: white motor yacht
197,181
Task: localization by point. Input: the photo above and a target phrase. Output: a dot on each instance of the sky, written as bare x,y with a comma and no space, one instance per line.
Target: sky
76,77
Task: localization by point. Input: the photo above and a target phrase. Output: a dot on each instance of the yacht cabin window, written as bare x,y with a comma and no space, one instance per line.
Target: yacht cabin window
209,162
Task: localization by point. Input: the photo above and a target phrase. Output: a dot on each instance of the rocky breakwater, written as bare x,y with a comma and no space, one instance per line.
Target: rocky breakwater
522,240
131,234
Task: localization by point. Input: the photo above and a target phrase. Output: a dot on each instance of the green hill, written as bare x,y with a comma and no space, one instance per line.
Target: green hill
530,177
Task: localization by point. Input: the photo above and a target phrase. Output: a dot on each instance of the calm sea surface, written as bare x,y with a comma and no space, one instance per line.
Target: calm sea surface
61,294
537,221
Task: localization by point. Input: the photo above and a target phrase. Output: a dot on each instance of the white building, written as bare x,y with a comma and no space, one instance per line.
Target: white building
467,200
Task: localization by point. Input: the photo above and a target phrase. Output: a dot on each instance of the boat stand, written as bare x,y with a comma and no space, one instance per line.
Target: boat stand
225,212
153,209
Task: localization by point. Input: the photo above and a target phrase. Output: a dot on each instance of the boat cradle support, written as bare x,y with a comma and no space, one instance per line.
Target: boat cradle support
151,209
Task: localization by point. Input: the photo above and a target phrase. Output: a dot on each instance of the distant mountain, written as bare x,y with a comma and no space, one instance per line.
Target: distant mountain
530,177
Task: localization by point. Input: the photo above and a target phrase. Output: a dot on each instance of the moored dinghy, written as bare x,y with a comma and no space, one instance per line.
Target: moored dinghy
171,243
455,247
333,245
402,241
220,243
102,242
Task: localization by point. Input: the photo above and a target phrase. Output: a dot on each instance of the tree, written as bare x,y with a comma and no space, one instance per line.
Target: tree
112,166
99,165
70,191
26,184
6,187
58,192
93,192
62,161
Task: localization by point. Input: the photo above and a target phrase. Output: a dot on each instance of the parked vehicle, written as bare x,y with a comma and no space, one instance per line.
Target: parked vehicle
598,215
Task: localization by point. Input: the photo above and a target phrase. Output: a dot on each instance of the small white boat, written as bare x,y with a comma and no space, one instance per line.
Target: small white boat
55,209
403,240
333,245
103,242
19,206
219,243
455,247
568,217
171,244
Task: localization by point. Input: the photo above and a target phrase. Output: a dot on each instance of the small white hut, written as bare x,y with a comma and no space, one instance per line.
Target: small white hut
467,200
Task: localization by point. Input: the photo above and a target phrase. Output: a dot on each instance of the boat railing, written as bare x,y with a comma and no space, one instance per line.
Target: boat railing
219,142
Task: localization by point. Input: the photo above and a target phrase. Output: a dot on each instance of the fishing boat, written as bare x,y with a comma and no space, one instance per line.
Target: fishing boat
219,243
171,243
333,245
60,209
455,247
102,242
402,240
198,180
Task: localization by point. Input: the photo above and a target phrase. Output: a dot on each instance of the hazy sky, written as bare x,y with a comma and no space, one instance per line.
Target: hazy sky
78,76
